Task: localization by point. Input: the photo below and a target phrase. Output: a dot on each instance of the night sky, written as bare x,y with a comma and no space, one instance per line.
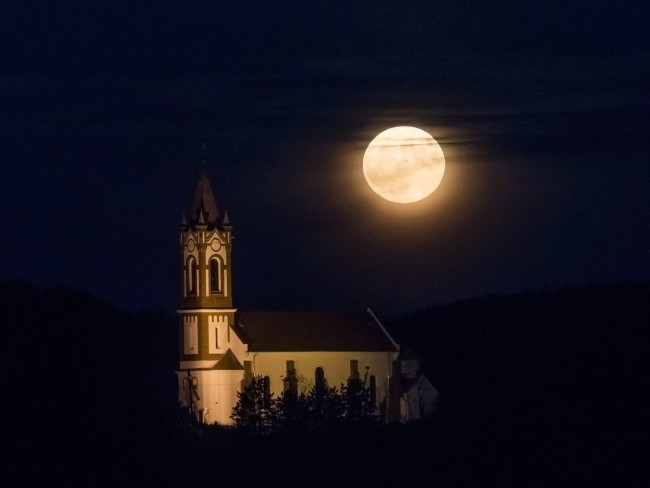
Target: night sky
542,111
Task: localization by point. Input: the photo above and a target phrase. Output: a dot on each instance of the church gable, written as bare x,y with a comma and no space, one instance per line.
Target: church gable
228,362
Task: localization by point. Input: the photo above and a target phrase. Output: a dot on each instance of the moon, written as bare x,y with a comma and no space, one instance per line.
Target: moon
403,164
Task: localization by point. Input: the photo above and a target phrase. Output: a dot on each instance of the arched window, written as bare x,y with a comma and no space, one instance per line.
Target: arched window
319,377
191,278
373,390
215,278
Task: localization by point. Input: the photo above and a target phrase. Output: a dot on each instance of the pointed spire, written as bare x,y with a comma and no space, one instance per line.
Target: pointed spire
183,219
226,220
204,205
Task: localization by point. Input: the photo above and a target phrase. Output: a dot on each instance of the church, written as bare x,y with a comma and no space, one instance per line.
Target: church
222,348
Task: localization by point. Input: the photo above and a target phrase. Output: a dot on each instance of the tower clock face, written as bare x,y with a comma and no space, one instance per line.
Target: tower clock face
215,244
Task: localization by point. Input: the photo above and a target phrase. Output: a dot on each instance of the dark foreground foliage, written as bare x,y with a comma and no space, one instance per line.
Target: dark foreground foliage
538,389
322,407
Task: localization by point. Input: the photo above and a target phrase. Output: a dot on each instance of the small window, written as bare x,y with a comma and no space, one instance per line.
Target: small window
215,278
354,369
291,368
216,337
291,380
192,274
190,339
319,376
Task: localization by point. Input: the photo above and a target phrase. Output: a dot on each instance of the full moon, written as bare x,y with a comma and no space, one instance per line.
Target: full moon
403,164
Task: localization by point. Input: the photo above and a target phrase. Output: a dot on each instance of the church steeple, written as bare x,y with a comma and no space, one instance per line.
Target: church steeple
205,284
205,248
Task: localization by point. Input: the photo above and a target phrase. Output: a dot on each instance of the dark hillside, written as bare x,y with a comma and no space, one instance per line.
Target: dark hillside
80,377
539,389
553,381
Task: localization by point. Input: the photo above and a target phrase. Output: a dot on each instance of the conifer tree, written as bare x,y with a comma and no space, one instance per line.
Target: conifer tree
356,400
256,409
325,405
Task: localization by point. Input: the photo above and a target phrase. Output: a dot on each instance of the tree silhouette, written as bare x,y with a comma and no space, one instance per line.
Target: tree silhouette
325,404
357,401
256,409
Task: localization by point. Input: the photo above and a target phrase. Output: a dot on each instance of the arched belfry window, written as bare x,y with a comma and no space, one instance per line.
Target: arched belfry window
215,276
192,276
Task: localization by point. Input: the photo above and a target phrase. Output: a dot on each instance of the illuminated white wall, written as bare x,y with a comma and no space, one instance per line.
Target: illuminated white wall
335,364
218,389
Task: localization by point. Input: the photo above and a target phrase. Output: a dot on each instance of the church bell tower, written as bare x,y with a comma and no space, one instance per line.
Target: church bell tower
205,313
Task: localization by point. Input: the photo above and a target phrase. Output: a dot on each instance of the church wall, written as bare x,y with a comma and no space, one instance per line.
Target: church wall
205,334
335,364
220,394
237,347
227,340
420,400
217,391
